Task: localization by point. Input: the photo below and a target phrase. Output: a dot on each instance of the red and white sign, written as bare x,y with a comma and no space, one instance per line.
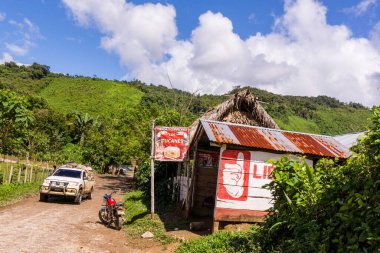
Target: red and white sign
171,143
241,180
240,193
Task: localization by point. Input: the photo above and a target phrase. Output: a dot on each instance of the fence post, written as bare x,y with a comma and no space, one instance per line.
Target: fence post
26,174
2,169
10,175
47,169
35,175
5,172
31,174
19,173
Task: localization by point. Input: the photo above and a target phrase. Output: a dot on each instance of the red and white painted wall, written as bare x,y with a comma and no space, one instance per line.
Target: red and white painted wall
241,177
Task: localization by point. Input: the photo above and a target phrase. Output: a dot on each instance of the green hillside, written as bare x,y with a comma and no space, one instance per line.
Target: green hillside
106,98
320,115
104,122
94,96
327,121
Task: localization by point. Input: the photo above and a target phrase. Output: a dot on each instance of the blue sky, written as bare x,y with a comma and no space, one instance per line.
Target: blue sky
300,47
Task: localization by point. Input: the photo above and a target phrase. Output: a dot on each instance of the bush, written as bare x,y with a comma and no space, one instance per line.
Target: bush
329,208
223,242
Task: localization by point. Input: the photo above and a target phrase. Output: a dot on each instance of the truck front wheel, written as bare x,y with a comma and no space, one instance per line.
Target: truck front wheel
78,199
44,197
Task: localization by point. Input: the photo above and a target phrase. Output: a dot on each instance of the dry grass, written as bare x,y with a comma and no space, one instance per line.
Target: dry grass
241,108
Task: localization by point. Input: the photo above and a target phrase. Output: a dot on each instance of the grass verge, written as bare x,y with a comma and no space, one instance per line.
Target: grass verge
10,193
223,242
138,218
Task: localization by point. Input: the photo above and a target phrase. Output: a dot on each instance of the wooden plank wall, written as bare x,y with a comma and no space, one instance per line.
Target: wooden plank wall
205,184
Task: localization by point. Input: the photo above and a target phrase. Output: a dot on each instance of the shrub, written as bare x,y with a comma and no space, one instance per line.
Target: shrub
223,242
329,208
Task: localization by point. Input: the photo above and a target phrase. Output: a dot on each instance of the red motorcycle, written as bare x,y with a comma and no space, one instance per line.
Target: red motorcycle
111,212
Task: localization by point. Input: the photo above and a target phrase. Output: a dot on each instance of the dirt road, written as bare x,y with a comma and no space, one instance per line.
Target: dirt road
60,226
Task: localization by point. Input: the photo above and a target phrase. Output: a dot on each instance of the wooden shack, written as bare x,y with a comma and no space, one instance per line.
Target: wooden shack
230,160
242,108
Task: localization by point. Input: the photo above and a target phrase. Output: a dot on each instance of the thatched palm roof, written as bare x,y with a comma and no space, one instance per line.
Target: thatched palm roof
241,108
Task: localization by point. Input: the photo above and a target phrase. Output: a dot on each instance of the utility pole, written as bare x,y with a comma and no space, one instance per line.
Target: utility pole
152,172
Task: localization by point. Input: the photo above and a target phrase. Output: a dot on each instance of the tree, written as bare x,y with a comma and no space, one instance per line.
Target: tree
38,71
15,119
83,123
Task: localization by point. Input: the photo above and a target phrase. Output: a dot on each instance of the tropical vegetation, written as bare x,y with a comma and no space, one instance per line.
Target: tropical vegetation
332,207
58,118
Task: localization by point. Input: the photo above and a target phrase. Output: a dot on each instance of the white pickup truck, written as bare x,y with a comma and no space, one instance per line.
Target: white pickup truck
75,182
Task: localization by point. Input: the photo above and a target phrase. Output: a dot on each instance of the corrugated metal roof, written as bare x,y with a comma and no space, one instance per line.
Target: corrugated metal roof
349,140
273,139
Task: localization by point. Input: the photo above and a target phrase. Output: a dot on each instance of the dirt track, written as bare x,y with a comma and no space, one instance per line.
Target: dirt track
60,226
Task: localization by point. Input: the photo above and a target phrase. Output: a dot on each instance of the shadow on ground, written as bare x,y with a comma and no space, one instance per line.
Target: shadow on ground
169,212
119,183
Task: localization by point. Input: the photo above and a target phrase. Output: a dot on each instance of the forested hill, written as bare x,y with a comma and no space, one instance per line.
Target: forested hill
68,109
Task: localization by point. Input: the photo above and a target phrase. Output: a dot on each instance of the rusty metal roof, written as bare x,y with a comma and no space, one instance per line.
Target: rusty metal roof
273,139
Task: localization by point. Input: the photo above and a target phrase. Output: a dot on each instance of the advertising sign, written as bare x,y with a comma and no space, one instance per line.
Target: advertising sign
241,195
171,143
241,180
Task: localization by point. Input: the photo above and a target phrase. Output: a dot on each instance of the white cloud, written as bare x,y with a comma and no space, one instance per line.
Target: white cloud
24,37
17,50
33,29
3,15
6,58
303,55
375,36
139,34
360,8
15,23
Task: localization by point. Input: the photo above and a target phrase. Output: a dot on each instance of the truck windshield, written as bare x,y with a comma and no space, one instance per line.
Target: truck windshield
67,173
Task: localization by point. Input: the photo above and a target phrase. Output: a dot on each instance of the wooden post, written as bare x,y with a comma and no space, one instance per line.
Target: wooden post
152,173
10,175
215,223
5,173
26,174
186,173
19,173
31,173
188,187
179,181
1,166
215,226
193,175
35,175
187,164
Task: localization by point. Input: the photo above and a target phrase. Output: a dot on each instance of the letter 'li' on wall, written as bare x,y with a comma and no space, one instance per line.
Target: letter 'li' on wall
242,175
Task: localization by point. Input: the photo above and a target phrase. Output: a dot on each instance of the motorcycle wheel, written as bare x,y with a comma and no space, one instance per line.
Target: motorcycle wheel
102,216
118,222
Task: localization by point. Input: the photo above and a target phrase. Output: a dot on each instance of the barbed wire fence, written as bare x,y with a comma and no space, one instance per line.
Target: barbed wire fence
16,171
